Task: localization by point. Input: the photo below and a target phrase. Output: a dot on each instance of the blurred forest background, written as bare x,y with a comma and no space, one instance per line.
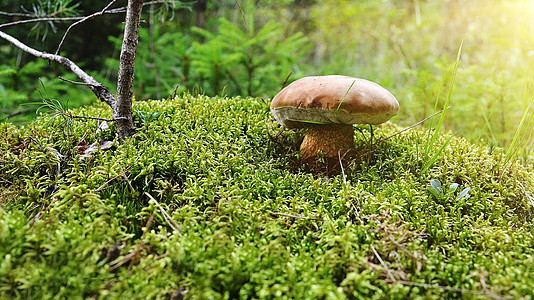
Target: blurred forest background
216,48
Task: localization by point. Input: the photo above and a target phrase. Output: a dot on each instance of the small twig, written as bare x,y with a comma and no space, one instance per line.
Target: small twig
138,248
370,142
242,13
396,243
296,216
127,180
76,82
173,94
37,19
123,9
175,226
121,261
452,289
140,244
279,133
120,174
357,213
107,182
80,21
342,157
287,78
383,265
93,118
8,14
20,112
412,126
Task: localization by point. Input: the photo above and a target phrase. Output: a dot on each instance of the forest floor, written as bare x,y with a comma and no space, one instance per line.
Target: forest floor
208,201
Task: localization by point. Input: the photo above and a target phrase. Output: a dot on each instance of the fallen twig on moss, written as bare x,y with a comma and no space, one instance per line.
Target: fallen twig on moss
296,216
132,256
390,275
175,226
119,175
453,289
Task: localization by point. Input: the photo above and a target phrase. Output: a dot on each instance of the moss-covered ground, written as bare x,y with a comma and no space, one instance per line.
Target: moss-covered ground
207,201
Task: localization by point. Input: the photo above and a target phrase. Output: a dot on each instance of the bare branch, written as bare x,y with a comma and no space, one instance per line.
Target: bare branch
74,82
123,9
166,215
37,19
80,21
8,14
100,91
242,13
120,174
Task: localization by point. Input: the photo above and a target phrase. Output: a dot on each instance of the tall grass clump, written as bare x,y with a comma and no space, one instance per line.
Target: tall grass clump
523,134
436,130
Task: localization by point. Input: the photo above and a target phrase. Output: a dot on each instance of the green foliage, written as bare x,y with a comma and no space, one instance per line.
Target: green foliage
49,9
256,62
231,60
446,195
206,201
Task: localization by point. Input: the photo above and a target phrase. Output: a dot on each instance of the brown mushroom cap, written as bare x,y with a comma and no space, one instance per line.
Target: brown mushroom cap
321,99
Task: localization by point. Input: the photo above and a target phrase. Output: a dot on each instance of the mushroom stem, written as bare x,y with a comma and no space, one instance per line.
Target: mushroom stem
329,139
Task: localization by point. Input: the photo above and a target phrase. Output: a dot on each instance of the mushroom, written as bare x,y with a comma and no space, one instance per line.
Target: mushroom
328,106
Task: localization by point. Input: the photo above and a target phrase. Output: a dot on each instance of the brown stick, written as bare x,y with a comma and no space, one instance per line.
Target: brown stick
242,13
295,216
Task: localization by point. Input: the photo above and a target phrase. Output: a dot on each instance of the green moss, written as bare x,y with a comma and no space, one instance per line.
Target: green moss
252,224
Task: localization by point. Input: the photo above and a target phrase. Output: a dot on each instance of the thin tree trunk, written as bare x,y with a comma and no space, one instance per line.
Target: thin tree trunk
153,51
123,107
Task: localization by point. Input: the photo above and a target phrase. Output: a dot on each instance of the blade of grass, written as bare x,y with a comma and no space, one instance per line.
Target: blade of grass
487,125
435,156
437,129
523,131
345,96
314,122
428,145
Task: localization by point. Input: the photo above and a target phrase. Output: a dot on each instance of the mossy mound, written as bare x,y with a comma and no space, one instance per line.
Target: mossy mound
207,201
